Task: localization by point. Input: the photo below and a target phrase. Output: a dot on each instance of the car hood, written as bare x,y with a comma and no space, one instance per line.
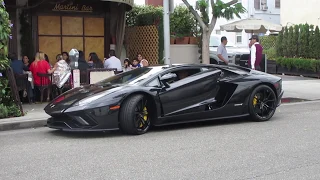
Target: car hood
233,50
72,96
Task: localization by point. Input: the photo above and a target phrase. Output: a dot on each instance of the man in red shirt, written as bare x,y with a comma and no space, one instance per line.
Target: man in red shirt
255,53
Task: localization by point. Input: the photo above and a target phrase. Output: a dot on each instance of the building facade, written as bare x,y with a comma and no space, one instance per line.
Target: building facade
297,13
59,26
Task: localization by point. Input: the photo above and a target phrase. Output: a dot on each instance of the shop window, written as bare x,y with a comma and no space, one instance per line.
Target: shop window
62,33
239,37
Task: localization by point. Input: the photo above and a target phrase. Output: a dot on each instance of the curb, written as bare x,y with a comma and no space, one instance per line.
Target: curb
23,124
293,100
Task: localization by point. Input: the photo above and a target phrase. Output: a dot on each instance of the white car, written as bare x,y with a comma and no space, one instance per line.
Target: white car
235,53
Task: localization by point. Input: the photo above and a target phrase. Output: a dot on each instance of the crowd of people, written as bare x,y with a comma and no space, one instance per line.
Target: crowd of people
60,71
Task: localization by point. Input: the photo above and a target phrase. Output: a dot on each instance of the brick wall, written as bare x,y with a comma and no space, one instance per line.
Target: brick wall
154,2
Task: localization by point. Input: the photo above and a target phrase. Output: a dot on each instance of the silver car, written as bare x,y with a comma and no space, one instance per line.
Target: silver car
235,54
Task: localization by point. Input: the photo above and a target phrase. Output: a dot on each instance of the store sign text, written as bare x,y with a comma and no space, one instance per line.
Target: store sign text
73,8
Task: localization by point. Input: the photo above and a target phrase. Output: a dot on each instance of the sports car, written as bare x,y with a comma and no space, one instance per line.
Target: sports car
135,100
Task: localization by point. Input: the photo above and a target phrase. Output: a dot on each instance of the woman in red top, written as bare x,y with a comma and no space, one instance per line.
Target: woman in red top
40,65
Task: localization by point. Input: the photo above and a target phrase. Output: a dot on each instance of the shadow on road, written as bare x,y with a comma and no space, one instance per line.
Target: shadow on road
191,125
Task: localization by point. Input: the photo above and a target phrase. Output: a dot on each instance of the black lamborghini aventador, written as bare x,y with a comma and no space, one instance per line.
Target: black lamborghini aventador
134,101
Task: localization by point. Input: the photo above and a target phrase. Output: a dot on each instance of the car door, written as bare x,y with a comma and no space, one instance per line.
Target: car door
189,95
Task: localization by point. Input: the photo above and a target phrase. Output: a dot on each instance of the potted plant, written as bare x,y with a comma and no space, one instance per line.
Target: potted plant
298,66
182,23
195,38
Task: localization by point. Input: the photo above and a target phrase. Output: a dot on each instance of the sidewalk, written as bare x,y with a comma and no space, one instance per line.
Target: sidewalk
34,117
295,89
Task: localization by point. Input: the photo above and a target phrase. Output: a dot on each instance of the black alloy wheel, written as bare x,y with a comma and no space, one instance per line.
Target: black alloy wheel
134,115
262,103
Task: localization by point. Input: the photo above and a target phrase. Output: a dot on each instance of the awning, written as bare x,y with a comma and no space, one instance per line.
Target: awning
129,3
251,25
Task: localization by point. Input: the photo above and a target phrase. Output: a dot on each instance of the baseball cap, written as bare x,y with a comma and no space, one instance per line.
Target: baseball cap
254,37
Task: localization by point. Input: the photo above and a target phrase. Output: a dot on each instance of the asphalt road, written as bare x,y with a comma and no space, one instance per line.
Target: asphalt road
287,147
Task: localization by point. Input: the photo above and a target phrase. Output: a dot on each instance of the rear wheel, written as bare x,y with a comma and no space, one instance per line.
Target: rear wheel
134,115
262,103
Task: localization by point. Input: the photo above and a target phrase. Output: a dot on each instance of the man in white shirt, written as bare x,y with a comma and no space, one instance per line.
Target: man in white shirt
113,61
222,51
255,57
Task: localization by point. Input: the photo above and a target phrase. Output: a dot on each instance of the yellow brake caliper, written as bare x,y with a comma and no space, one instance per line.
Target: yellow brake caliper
255,100
145,116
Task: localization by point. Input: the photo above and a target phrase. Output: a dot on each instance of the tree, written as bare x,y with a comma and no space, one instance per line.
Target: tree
296,40
311,51
307,47
302,41
285,42
290,43
219,10
279,47
317,42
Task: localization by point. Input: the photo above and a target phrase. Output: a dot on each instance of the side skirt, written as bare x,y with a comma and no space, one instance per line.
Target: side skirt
200,120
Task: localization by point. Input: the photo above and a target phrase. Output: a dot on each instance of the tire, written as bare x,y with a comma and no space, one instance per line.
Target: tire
128,115
258,105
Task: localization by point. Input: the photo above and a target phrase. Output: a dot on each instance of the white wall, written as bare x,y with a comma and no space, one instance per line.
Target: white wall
296,12
271,15
184,53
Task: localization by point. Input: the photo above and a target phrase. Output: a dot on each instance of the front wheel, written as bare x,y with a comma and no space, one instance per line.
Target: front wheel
262,103
134,117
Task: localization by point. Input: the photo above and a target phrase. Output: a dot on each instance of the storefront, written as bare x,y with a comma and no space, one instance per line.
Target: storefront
87,25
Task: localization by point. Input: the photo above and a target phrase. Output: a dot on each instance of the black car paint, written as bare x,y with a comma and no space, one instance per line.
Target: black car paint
179,103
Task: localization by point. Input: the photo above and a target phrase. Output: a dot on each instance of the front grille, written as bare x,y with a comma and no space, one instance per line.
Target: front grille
79,120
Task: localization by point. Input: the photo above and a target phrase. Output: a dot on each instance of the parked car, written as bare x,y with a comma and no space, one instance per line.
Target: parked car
235,53
135,100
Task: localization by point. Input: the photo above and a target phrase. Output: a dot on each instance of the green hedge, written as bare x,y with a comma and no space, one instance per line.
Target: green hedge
9,111
299,63
182,22
299,41
271,53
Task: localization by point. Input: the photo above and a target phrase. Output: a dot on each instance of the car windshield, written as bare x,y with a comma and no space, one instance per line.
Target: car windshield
215,41
130,77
